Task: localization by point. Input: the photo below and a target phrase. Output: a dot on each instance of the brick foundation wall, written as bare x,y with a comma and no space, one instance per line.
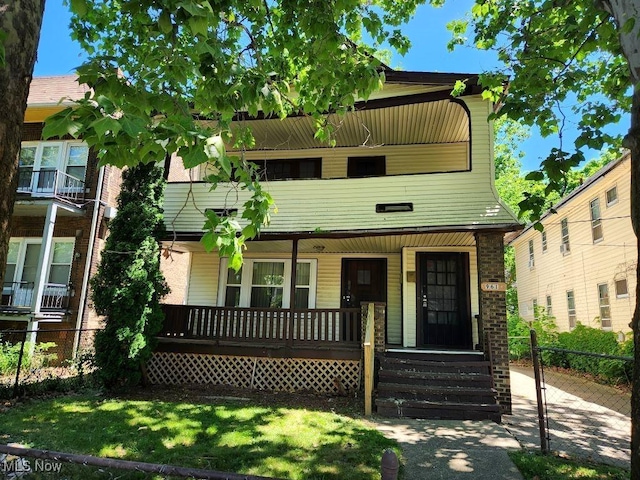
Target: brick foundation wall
493,313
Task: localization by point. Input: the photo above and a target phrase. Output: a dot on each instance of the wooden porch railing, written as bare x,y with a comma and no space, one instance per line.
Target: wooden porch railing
328,326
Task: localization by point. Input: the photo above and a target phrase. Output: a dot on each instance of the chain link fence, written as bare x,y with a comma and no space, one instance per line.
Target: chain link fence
578,416
34,361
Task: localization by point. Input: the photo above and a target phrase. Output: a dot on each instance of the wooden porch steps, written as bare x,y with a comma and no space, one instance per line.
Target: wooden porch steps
439,385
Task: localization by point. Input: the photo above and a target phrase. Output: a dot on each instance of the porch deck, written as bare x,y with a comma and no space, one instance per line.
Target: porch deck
309,333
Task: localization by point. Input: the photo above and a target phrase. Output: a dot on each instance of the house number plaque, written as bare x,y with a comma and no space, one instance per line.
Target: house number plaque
493,287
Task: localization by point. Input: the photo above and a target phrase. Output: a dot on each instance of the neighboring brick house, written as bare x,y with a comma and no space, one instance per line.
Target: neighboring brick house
402,213
64,201
582,266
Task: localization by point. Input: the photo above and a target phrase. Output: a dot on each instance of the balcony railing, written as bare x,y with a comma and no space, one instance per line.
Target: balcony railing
19,296
50,183
325,326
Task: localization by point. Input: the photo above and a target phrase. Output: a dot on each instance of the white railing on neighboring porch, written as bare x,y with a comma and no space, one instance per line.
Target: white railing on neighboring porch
19,295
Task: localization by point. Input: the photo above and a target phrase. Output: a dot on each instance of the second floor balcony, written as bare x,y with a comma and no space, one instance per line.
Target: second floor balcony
18,297
50,183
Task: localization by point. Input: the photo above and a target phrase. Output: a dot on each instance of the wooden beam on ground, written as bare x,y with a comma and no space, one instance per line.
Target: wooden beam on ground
125,464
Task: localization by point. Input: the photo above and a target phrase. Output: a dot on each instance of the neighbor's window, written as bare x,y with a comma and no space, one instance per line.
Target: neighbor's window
544,241
564,230
39,161
596,220
621,288
571,309
531,257
604,303
266,284
612,196
549,307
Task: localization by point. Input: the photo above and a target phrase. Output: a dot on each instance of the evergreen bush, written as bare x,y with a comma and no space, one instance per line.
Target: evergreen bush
129,285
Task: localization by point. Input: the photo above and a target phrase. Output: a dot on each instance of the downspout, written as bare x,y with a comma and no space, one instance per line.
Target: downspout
88,259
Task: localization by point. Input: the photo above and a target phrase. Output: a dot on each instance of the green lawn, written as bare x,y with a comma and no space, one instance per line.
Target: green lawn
549,467
274,441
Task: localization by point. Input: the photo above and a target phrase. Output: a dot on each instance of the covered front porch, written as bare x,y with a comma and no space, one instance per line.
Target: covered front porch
318,316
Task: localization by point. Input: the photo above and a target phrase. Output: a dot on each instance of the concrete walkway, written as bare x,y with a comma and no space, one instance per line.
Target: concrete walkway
450,449
586,419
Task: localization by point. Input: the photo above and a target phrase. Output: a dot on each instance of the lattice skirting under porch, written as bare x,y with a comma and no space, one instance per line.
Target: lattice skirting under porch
262,373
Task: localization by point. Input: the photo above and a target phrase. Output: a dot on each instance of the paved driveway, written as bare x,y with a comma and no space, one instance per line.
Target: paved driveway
586,419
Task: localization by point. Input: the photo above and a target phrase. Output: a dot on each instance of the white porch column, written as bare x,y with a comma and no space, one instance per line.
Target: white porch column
43,259
32,327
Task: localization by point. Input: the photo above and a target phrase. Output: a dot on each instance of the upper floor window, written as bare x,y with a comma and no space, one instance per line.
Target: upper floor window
571,308
40,163
564,230
612,196
544,241
263,283
604,304
291,168
531,257
366,167
596,220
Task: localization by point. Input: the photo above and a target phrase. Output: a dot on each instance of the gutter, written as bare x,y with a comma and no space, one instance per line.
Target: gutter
88,259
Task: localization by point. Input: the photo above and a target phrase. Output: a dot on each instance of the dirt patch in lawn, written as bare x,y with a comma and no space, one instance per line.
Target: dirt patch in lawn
216,394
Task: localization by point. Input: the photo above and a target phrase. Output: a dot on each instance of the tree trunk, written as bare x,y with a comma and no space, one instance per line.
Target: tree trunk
626,14
632,142
20,20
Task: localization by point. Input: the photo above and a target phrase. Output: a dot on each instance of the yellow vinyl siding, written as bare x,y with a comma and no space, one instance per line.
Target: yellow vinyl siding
203,284
588,264
394,299
399,159
203,279
439,199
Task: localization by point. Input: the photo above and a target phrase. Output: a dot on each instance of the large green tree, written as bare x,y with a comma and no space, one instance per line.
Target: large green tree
20,22
561,56
173,76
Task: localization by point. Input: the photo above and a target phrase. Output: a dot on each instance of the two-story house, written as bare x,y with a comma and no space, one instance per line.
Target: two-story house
581,267
64,200
401,213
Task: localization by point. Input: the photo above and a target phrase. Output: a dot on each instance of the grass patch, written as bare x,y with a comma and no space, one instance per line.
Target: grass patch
551,467
272,441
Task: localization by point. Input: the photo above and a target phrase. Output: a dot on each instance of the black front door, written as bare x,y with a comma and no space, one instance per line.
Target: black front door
363,280
444,306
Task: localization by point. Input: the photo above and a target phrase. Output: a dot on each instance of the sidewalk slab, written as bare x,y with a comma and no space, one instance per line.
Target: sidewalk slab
452,449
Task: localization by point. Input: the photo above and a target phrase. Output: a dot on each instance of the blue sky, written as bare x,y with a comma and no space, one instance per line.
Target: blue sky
59,55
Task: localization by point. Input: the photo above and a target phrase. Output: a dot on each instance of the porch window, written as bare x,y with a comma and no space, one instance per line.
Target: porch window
549,307
291,168
358,167
605,306
265,283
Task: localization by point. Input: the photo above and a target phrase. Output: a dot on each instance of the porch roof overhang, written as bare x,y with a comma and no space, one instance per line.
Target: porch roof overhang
418,105
381,241
27,206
